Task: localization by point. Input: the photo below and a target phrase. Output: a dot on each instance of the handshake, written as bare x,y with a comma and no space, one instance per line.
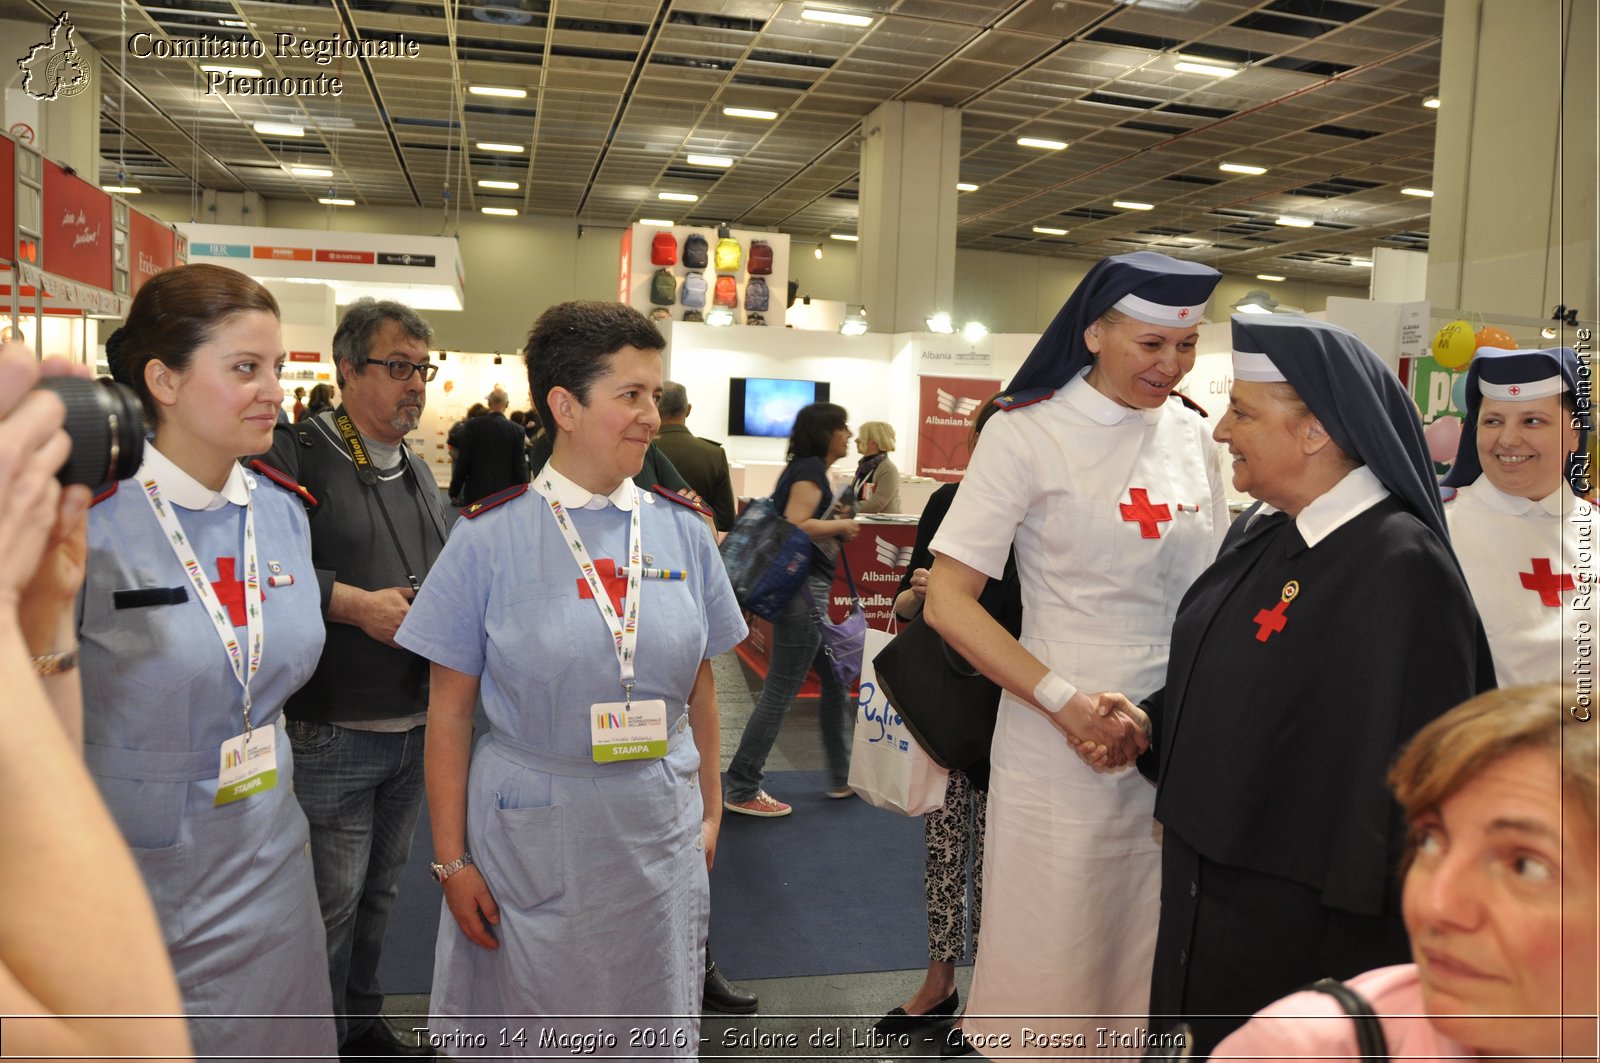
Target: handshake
1106,730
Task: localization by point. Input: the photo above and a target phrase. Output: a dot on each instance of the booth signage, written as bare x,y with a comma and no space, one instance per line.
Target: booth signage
389,258
220,250
8,202
282,254
360,258
151,249
946,409
77,228
305,356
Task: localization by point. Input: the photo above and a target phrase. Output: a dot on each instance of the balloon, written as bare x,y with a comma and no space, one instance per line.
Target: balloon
1454,345
1458,392
1493,336
1443,436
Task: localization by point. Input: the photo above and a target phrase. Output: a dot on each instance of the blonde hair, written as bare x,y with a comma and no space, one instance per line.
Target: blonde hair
1447,754
879,433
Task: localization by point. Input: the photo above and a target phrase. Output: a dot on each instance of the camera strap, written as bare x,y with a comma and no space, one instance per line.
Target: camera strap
368,474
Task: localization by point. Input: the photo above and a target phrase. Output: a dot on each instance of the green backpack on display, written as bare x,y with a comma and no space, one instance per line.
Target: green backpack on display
663,288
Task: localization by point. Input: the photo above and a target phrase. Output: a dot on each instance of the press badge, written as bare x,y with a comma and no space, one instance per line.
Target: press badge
628,730
249,765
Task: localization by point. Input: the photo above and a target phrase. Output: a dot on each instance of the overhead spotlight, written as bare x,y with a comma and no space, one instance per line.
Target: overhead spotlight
720,162
817,253
509,186
1431,103
1256,302
496,357
1048,230
443,355
1548,333
750,112
662,222
678,197
941,323
1364,262
974,331
1425,193
1268,277
1132,204
336,201
849,238
501,212
719,315
311,171
1239,167
122,190
498,90
1216,68
1295,223
509,149
855,322
279,129
836,18
1041,142
966,186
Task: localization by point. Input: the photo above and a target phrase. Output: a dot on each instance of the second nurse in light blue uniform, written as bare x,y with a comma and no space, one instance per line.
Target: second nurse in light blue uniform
573,848
200,617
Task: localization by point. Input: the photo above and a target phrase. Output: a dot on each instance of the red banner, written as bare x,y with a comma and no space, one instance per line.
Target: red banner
624,267
944,420
8,203
77,228
150,249
358,258
305,356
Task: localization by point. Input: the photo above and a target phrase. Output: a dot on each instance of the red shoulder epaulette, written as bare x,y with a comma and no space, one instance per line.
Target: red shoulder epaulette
105,493
283,480
686,497
1447,494
1016,400
1193,405
499,498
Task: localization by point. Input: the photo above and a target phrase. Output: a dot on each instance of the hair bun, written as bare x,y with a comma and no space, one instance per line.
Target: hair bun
114,345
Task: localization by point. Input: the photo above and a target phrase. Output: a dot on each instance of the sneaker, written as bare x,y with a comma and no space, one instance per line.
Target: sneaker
840,792
762,804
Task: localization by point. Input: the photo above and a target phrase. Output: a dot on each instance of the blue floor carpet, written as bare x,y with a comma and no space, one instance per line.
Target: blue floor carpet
835,888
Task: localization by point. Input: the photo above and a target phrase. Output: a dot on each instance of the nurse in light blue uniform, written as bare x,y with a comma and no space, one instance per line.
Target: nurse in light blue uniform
165,706
591,874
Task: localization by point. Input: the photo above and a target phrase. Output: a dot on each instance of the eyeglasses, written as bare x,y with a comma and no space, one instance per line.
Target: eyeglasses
400,369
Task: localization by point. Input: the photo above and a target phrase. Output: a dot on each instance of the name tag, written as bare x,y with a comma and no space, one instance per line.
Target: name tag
249,765
628,731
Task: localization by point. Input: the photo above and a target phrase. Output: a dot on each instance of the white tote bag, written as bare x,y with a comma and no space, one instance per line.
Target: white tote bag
887,767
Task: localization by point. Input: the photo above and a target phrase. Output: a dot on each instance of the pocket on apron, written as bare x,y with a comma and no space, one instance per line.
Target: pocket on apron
524,856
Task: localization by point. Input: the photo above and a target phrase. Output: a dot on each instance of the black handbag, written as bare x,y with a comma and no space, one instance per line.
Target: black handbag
1372,1046
949,706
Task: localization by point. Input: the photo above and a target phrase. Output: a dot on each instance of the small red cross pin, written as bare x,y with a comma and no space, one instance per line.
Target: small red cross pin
1514,389
1148,517
1271,621
615,583
1545,583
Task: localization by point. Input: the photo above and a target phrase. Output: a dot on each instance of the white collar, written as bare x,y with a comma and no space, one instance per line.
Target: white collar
1346,500
184,490
1099,408
575,496
1553,504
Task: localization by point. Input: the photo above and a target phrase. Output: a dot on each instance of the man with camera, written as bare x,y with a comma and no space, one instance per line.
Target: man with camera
357,728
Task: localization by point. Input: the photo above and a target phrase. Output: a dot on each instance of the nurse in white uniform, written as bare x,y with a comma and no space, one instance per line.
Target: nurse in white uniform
1517,521
1110,487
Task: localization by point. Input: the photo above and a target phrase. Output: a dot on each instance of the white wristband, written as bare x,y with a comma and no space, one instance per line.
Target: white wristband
1053,692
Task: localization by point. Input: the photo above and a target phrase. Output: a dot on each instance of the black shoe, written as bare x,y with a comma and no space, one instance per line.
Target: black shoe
724,997
954,1044
897,1021
381,1039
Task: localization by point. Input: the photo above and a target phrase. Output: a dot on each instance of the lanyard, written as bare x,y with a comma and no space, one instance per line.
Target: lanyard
183,550
624,632
368,475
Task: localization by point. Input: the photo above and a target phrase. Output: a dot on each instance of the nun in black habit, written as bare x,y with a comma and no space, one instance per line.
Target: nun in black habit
1333,624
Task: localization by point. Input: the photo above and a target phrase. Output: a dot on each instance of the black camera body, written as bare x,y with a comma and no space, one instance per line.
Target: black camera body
106,424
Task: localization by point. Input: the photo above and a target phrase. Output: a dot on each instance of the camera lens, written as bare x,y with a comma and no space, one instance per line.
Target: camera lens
106,424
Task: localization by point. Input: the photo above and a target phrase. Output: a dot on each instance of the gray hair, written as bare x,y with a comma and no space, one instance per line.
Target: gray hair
674,400
352,340
498,399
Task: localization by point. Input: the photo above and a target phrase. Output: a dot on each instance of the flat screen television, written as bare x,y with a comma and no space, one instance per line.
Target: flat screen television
763,406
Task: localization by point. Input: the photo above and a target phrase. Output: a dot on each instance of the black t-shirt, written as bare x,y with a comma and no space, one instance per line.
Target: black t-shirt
813,471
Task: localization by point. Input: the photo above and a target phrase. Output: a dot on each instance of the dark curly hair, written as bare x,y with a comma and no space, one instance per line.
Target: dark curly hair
571,345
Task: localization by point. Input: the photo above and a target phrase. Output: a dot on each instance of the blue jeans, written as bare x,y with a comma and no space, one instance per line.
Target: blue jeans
796,649
361,792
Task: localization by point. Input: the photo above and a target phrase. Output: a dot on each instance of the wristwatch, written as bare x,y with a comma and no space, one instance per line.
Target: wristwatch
444,871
